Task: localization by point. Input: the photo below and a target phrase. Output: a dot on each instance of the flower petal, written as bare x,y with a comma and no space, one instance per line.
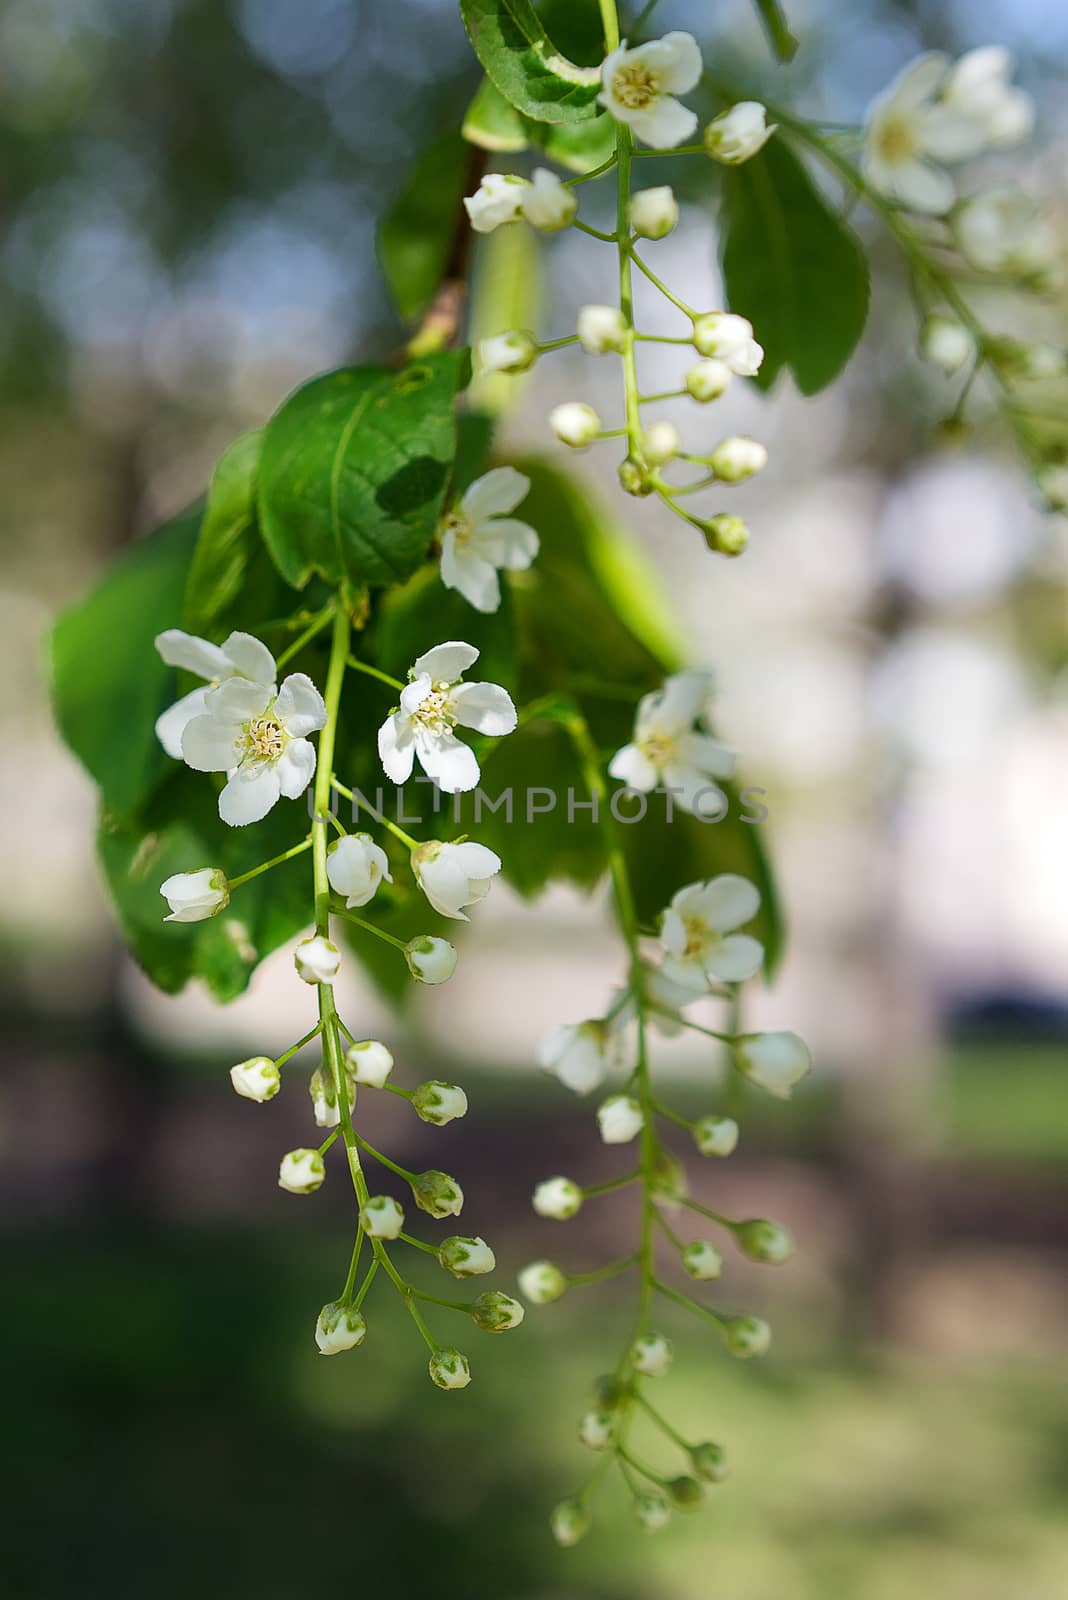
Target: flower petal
300,707
735,958
686,972
477,860
727,902
673,935
924,188
676,60
296,768
451,764
210,745
694,791
180,649
248,798
707,755
495,493
948,135
470,576
238,699
916,83
396,747
507,542
633,769
173,722
446,662
413,694
679,702
250,657
486,707
665,124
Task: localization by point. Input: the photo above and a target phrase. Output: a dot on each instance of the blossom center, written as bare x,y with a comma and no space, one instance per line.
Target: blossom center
461,528
436,714
700,938
263,740
658,749
635,86
896,140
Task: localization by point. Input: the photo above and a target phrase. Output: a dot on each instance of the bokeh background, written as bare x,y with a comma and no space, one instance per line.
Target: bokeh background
188,195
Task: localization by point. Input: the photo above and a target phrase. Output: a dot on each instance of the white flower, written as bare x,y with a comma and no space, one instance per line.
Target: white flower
514,351
774,1060
195,896
498,198
454,875
382,1217
239,656
355,866
542,1282
697,933
597,1430
767,1242
619,1119
301,1171
478,538
317,959
661,443
737,458
547,202
707,380
450,1369
651,1354
466,1258
654,213
575,1053
729,338
947,344
258,738
570,1522
909,136
715,1136
640,86
1002,230
325,1108
702,1260
559,1198
739,133
575,423
978,88
256,1079
668,751
601,329
747,1336
369,1062
339,1328
430,960
432,704
438,1103
495,1312
652,1510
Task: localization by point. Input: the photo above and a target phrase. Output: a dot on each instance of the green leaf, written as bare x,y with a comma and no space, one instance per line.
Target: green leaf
416,234
793,268
783,41
108,683
228,537
519,57
493,123
354,470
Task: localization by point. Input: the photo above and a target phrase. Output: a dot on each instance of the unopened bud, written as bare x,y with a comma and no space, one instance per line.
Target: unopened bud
438,1103
701,1259
707,380
661,443
515,351
559,1198
686,1493
947,344
437,1194
635,479
764,1241
601,329
570,1522
449,1369
709,1462
495,1312
301,1171
382,1217
654,212
317,960
620,1119
542,1282
339,1328
747,1336
777,1061
669,1179
652,1510
715,1136
256,1079
466,1258
370,1063
430,959
735,459
324,1098
196,896
726,534
597,1430
736,135
722,334
575,423
651,1354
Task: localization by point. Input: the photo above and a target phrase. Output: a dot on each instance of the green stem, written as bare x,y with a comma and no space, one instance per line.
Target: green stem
316,625
366,1284
658,283
594,233
281,1060
275,861
365,667
376,1155
578,1280
369,927
357,799
691,1305
612,1183
662,1423
350,1281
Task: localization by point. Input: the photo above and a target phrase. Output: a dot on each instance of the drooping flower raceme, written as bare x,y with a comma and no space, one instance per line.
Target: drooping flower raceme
432,704
640,85
239,656
355,866
259,738
453,876
668,750
697,933
478,538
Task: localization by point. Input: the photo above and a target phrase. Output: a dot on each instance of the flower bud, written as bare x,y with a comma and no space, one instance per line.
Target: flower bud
498,199
947,344
747,1336
439,1102
575,423
339,1328
559,1198
737,134
651,1354
466,1258
301,1171
722,334
430,959
701,1259
570,1522
726,534
715,1136
601,330
709,1462
661,443
548,203
707,380
382,1217
597,1430
620,1119
324,1098
542,1282
495,1312
437,1194
654,213
735,459
686,1493
764,1241
635,479
196,896
651,1510
515,351
256,1079
449,1369
774,1060
369,1063
669,1180
317,960
355,866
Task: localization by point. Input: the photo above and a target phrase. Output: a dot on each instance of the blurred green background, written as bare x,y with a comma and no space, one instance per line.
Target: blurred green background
188,193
